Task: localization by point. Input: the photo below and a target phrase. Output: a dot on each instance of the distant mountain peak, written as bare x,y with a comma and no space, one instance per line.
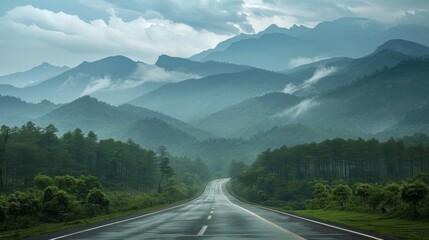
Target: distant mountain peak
405,47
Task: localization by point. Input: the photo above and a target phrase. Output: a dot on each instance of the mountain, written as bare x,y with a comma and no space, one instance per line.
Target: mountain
153,132
15,112
33,76
238,120
196,98
347,37
274,51
373,103
201,69
405,47
115,79
89,113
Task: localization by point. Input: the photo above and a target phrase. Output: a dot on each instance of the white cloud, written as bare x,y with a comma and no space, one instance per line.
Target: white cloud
299,109
295,62
140,39
318,74
96,85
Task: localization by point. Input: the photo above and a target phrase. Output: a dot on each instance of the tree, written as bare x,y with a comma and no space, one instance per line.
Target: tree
164,166
42,181
98,197
412,193
341,194
56,204
4,132
321,194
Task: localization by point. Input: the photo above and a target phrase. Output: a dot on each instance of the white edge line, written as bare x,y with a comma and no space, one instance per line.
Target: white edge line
209,217
263,219
125,220
203,229
314,221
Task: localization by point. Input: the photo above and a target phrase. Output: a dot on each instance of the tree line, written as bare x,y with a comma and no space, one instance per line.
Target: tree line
29,150
288,176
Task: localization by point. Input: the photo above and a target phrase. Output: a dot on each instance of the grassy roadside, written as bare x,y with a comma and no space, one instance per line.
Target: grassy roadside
45,228
388,226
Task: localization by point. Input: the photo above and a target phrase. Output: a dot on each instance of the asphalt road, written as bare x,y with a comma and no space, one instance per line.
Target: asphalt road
214,215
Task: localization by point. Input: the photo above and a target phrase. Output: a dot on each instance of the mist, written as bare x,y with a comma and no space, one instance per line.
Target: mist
318,74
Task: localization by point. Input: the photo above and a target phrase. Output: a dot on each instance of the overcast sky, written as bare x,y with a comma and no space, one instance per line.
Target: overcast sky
69,32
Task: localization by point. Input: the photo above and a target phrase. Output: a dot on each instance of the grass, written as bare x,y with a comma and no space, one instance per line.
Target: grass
44,228
370,222
394,227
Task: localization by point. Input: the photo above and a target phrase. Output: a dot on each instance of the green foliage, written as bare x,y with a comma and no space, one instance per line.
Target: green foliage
341,194
322,195
98,197
57,204
413,193
23,204
42,181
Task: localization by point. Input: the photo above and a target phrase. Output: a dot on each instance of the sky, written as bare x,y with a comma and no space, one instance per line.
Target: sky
69,32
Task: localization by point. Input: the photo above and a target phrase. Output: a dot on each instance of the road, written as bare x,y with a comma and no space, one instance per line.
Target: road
214,215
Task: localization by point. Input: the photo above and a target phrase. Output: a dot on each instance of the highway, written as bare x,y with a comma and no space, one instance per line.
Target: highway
213,215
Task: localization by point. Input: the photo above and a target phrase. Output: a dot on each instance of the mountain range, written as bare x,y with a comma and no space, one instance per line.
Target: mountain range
221,109
281,48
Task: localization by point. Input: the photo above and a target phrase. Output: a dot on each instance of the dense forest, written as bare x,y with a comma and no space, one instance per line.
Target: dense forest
295,176
46,178
30,150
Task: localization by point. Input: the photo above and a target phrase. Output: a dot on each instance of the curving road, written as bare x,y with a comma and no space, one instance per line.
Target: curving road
214,215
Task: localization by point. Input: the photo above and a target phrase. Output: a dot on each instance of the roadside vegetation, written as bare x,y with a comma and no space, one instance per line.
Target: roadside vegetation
126,178
365,184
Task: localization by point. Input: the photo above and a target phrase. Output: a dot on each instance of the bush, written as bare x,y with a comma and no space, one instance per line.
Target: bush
413,193
23,204
56,204
341,194
42,181
3,208
97,197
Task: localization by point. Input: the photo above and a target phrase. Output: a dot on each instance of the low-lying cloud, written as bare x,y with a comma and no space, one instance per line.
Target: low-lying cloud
318,74
299,61
144,73
299,109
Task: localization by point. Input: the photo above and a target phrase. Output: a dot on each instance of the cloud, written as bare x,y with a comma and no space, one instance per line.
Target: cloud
96,85
295,62
141,39
299,109
318,74
144,73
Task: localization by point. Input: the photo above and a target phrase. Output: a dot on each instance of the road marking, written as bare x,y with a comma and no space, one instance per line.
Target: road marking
128,219
209,217
203,229
305,219
291,234
211,212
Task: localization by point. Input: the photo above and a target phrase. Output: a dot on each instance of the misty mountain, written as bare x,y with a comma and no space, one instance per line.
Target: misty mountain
89,113
201,69
240,120
374,103
196,98
15,112
115,79
153,132
405,47
33,76
273,51
347,37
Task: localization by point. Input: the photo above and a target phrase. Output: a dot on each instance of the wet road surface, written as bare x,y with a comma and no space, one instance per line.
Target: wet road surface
214,215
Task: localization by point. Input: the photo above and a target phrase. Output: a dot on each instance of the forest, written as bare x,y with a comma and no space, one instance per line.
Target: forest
339,173
50,178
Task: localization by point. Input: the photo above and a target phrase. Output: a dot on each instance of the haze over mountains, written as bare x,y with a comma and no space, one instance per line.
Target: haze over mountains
346,78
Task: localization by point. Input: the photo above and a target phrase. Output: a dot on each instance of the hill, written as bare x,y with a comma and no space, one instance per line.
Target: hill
33,76
196,98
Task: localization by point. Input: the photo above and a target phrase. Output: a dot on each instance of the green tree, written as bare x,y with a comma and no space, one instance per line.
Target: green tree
42,181
164,166
321,195
98,197
412,193
341,194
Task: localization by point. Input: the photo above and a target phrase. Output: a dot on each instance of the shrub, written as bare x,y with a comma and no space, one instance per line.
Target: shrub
42,181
